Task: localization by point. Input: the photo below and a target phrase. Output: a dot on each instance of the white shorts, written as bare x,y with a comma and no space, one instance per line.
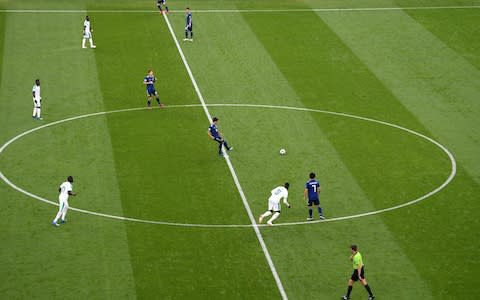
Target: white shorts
38,104
87,35
273,205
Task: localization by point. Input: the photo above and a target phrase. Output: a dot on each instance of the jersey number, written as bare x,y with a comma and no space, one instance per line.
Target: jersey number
314,188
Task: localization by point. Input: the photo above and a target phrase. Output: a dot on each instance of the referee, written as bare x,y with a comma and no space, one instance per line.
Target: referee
358,273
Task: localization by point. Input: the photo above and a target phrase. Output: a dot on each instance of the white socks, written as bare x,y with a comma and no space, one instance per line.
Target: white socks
61,213
91,43
274,217
268,213
37,112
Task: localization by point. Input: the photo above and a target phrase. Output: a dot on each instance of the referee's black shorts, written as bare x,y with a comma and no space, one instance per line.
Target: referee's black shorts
355,274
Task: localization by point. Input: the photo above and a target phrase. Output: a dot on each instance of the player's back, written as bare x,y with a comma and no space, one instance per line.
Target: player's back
213,130
64,189
313,187
86,24
279,192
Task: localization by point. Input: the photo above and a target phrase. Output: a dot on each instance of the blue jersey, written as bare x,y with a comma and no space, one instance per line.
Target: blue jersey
214,131
150,80
188,20
313,186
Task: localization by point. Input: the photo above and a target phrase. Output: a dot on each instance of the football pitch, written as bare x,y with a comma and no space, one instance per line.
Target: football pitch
380,98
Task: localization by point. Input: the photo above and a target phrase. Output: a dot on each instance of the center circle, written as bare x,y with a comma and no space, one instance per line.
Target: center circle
353,216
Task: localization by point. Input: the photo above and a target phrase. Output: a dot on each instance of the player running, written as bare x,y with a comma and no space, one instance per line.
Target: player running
149,81
274,203
161,3
87,33
37,100
188,25
312,189
65,190
215,135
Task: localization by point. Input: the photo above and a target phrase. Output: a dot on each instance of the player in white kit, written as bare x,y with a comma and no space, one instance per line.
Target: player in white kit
37,100
274,203
65,190
87,33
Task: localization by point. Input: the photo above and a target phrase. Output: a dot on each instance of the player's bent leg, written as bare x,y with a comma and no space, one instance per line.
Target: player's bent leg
265,214
273,218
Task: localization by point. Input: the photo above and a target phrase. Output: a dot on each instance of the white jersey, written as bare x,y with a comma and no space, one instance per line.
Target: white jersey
278,193
36,90
86,25
64,189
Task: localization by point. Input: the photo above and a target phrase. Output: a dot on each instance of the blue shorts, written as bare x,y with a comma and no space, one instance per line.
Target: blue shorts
151,92
313,202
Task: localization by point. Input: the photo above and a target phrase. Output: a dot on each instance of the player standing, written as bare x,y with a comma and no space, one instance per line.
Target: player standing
215,135
149,81
65,190
358,274
87,33
37,100
312,189
159,5
274,203
188,25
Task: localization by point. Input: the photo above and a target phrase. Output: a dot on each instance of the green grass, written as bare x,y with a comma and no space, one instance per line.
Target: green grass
414,68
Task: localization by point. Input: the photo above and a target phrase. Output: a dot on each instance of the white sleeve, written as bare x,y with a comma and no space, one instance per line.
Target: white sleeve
285,198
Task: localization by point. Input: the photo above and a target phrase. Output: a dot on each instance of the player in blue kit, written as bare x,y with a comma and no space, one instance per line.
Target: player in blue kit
149,81
188,25
312,190
215,135
159,5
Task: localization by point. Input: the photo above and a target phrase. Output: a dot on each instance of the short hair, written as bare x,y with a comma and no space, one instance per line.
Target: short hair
312,175
188,8
215,119
354,247
70,179
286,185
149,70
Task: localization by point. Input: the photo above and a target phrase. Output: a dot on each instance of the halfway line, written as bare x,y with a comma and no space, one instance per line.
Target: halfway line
243,10
232,170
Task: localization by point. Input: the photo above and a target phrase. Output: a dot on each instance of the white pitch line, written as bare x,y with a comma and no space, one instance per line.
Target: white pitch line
342,218
293,10
232,170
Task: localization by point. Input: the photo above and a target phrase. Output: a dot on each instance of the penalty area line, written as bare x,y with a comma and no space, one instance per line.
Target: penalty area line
230,167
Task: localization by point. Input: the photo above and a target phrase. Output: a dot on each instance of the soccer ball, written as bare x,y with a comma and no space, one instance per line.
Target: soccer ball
283,151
